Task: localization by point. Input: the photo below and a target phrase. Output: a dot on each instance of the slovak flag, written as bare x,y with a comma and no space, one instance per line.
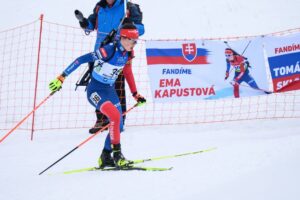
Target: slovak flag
189,51
187,54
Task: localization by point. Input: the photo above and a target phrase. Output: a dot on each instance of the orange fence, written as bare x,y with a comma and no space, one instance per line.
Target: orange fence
33,54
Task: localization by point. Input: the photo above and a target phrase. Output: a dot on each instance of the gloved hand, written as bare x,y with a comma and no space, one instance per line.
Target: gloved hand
82,20
139,98
56,84
84,23
226,75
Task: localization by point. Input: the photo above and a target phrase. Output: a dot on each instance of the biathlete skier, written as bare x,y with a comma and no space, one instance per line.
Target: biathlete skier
109,60
241,68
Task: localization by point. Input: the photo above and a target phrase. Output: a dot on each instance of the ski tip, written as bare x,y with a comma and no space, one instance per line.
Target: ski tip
155,168
205,150
211,149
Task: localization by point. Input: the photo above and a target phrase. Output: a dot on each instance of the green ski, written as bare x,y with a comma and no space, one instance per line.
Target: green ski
127,168
132,166
171,156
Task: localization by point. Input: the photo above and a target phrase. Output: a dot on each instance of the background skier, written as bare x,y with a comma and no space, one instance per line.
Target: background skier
241,68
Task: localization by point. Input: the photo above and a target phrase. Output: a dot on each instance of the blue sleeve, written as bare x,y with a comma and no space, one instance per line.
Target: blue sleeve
90,27
90,57
141,29
136,16
227,66
92,19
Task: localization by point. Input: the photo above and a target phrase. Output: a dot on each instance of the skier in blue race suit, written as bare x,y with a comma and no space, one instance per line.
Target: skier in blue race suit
109,61
107,16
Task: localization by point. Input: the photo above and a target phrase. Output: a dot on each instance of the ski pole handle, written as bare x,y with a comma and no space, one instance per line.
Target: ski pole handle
82,21
79,15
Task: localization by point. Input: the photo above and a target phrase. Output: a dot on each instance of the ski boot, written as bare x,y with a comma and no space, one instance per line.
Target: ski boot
100,123
120,160
106,160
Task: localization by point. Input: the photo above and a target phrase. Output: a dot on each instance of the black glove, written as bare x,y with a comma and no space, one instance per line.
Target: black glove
226,75
136,15
84,23
82,20
139,98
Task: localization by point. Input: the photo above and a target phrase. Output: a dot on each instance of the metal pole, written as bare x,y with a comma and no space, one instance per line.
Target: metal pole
37,74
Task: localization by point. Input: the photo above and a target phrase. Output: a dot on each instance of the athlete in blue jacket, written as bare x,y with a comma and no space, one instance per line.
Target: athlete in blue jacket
109,61
107,16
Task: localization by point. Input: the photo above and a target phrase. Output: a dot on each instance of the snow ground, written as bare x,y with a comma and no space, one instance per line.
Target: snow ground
254,160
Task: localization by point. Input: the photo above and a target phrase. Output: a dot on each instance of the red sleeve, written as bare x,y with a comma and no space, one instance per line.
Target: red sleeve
127,71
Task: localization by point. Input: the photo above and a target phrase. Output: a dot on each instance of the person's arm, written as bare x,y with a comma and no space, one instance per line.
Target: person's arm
242,68
127,71
227,69
80,60
56,83
140,28
92,19
88,24
135,15
242,72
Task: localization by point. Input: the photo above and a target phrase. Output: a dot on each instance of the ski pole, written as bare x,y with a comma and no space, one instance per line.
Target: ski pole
172,156
265,91
226,43
244,48
23,120
85,141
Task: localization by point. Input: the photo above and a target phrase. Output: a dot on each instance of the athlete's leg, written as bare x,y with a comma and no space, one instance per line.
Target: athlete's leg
120,89
108,142
250,81
236,85
114,116
236,90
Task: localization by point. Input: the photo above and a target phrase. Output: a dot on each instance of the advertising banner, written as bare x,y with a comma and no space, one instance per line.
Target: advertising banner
196,69
284,61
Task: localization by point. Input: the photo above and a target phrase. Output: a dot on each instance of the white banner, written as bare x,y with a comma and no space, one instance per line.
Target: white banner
196,69
284,61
